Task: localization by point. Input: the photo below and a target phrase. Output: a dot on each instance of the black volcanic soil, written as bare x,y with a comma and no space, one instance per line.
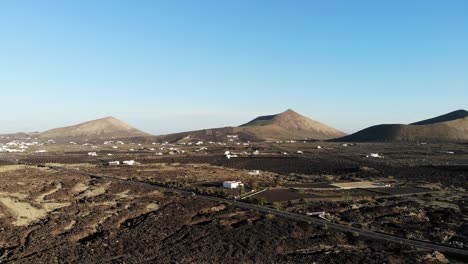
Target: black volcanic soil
102,222
134,224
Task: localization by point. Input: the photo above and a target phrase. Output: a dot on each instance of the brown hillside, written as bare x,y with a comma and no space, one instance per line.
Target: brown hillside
289,125
104,128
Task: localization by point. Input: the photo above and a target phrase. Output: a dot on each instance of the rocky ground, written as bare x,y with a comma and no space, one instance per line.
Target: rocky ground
48,216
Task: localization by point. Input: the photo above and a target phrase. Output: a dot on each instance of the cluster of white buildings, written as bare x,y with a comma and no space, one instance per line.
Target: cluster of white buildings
125,162
108,142
287,141
18,146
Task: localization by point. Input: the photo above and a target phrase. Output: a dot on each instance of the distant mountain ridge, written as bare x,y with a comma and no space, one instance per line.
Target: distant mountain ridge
451,127
288,125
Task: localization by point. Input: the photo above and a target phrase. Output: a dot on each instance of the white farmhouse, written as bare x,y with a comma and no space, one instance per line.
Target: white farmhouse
129,162
232,184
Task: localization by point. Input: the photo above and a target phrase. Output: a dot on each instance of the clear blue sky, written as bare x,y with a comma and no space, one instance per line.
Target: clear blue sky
168,66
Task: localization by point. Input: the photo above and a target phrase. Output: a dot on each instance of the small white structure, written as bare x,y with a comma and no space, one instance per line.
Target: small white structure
129,162
41,151
300,152
256,152
229,156
254,172
92,154
232,184
373,155
319,147
382,184
113,163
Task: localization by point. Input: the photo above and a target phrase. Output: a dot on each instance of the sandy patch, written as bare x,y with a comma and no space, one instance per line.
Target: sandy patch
24,213
41,197
80,187
70,226
49,207
94,191
15,195
152,207
123,195
8,168
354,185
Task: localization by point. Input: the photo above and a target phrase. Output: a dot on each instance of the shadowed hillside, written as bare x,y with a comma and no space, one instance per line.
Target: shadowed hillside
444,118
452,127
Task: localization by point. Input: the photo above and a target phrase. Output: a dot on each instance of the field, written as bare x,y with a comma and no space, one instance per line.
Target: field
48,215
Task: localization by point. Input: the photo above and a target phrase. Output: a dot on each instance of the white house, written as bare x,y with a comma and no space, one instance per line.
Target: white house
129,162
113,162
229,156
93,154
232,184
254,172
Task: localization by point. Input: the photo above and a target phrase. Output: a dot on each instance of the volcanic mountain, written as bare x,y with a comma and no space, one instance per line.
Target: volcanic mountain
104,128
451,127
288,125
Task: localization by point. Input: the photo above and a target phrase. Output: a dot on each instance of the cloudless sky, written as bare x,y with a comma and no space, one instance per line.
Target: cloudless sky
170,66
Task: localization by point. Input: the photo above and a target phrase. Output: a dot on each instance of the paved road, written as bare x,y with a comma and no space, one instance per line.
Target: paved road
288,215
